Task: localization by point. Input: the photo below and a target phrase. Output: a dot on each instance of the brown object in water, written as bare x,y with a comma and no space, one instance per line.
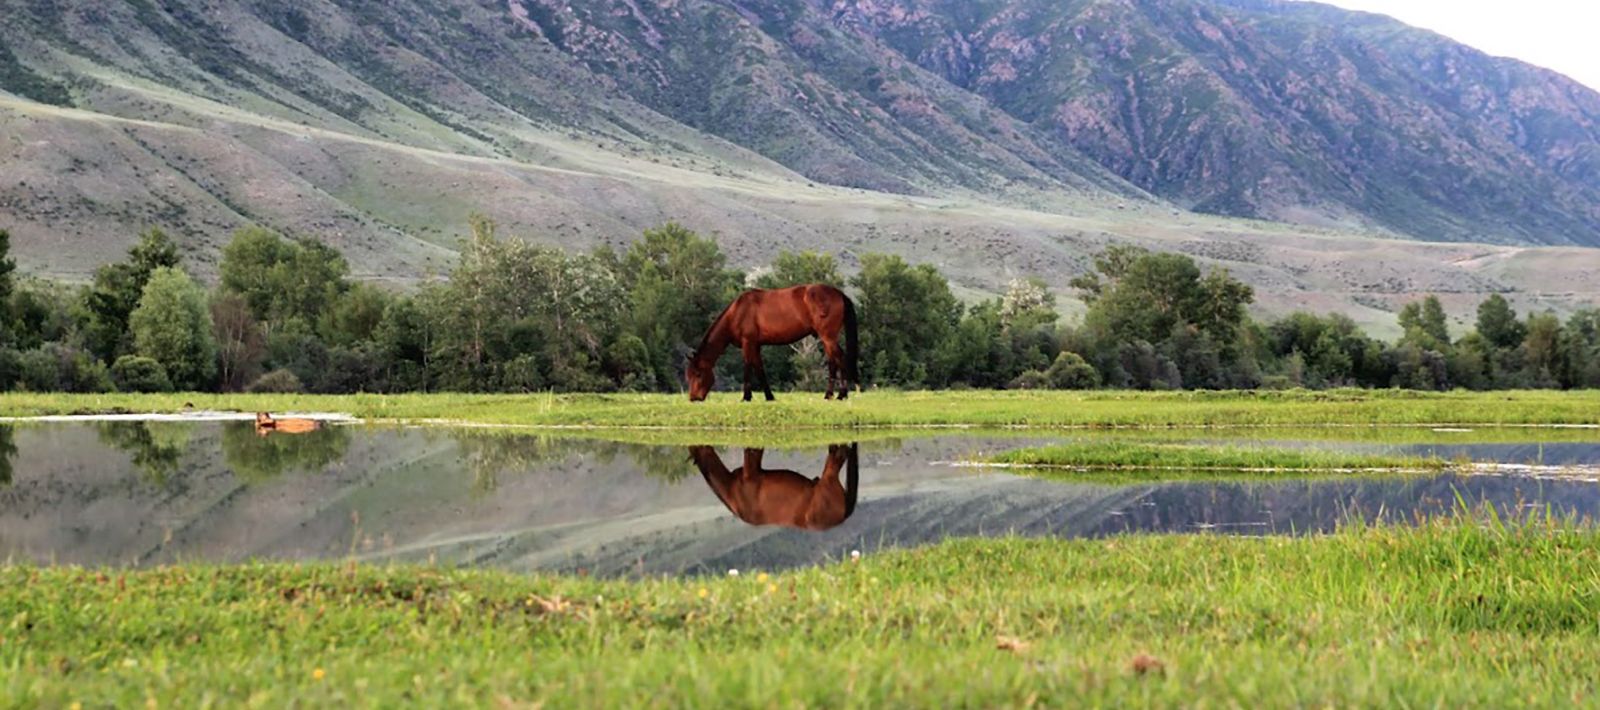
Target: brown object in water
762,496
265,424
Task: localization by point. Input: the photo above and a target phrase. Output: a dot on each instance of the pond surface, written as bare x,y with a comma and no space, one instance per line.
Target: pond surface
136,493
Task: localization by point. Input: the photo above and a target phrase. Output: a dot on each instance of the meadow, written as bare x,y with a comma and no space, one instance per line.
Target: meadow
1474,612
885,408
1469,610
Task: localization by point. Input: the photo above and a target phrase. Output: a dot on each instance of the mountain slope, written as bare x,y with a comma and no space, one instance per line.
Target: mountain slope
1282,110
934,129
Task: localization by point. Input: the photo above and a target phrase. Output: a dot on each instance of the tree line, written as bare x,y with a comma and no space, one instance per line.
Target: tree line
285,316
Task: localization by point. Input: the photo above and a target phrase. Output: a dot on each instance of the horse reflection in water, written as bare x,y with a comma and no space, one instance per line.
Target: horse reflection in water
762,496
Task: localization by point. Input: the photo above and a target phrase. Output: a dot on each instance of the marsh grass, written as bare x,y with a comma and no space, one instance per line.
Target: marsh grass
1359,408
1470,611
1133,455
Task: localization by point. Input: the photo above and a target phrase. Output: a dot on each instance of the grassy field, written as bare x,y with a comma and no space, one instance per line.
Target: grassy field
1451,614
890,408
1111,455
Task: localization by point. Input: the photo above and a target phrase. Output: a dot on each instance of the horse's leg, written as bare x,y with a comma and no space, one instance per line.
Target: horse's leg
833,372
836,363
750,361
761,369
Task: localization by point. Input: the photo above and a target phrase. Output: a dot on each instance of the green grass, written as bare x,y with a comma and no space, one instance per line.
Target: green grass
1144,456
892,408
1446,614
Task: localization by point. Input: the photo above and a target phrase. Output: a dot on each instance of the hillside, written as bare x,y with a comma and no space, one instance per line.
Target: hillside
989,138
1281,110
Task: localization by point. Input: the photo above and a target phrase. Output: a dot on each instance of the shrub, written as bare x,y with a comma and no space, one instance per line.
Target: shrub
39,371
10,368
1031,380
133,373
1071,372
276,382
54,367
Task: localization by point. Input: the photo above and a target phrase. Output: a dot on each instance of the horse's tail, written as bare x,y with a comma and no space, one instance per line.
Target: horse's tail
852,345
852,479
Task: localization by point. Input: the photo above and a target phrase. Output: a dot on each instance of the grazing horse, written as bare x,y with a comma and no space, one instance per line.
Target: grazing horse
779,317
761,496
265,424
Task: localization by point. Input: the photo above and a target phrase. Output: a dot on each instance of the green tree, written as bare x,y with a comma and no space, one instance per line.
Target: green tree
8,268
1144,296
281,279
518,316
906,313
1158,322
1425,324
172,324
796,268
353,316
116,291
677,283
1498,324
1580,346
1542,354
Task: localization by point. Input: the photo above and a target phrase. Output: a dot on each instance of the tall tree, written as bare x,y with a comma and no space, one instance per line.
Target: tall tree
677,283
796,268
8,268
1424,323
1498,324
172,325
116,291
241,344
906,313
283,280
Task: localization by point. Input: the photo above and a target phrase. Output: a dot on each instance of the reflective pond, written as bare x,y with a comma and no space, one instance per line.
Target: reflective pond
145,493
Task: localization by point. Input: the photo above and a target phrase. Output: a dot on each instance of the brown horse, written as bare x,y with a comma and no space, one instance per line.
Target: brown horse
761,496
265,424
779,317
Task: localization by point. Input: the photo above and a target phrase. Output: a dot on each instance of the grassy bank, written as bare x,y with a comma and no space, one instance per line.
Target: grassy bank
1447,614
886,408
1117,455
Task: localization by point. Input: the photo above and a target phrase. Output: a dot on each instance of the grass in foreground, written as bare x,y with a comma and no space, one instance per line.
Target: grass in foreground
1124,455
888,408
1451,613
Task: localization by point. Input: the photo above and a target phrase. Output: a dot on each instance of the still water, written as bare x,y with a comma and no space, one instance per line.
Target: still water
146,493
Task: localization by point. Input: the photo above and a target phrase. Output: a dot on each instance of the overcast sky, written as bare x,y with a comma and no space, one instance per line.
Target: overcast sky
1563,35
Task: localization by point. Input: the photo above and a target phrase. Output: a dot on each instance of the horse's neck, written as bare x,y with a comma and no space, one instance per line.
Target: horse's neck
717,340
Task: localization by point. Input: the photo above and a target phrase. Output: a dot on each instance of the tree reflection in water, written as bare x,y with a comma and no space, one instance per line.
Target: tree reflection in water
8,449
488,455
155,449
253,457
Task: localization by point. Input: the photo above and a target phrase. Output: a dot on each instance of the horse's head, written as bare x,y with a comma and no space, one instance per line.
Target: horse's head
700,377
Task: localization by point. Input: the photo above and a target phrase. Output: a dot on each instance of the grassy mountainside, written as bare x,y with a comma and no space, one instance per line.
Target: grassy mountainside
775,124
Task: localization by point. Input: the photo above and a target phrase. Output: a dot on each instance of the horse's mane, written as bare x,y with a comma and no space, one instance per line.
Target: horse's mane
705,339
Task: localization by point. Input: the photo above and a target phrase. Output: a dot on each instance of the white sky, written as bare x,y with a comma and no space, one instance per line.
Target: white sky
1563,35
